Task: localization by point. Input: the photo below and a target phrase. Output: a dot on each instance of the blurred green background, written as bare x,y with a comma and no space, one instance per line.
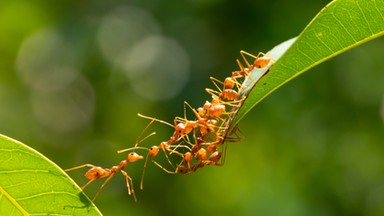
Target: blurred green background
74,74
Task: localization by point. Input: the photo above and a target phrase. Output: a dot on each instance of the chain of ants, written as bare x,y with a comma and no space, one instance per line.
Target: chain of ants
197,142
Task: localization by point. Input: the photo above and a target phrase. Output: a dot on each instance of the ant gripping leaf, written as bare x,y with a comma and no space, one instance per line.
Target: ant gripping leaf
252,80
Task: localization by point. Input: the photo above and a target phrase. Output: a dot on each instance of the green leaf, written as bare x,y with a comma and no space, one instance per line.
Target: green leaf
30,184
340,26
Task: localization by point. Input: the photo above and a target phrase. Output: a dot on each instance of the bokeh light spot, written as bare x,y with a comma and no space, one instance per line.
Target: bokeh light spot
62,99
121,28
46,62
157,68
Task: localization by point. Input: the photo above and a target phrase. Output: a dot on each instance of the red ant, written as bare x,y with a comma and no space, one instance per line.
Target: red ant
213,160
226,93
259,62
203,122
97,172
182,127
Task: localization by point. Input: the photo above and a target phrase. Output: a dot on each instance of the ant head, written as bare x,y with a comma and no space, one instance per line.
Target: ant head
182,169
201,154
212,147
180,128
229,83
212,122
237,74
201,111
215,156
133,156
206,105
188,157
215,101
153,151
261,62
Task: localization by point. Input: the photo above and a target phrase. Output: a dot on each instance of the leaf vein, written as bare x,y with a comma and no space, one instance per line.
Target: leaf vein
13,201
324,44
22,171
45,194
343,26
377,8
365,18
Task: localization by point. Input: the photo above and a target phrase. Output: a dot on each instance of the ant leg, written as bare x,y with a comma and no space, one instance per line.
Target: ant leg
215,81
241,66
155,119
185,111
166,156
79,167
143,173
102,186
243,70
179,120
89,182
167,171
133,148
242,52
178,167
155,162
237,137
224,154
138,139
173,148
142,132
128,179
190,107
213,93
171,151
193,110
